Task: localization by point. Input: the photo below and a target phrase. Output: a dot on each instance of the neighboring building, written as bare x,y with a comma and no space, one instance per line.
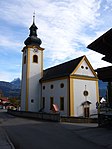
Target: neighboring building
71,86
4,101
103,46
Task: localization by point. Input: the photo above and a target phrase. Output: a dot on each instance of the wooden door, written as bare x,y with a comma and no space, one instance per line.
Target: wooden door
86,112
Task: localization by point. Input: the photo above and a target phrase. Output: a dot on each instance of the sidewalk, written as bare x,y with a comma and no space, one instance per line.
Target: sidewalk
5,142
92,133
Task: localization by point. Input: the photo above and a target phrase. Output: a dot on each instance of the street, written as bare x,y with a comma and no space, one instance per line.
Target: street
32,134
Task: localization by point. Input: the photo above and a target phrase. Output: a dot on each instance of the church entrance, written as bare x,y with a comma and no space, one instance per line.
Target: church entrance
86,112
86,109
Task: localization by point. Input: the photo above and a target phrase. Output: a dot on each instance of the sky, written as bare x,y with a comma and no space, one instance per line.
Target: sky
65,27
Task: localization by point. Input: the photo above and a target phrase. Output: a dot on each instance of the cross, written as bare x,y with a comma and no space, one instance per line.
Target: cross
34,17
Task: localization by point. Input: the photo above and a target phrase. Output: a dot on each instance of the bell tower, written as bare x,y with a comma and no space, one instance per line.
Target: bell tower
32,71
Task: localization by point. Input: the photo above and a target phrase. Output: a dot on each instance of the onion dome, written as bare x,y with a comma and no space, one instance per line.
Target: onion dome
33,40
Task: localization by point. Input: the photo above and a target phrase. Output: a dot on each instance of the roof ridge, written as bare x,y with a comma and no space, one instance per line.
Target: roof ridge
61,70
65,62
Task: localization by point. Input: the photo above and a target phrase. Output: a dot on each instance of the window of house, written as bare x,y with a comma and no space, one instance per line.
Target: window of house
62,85
43,102
61,103
35,59
86,67
24,59
51,102
52,86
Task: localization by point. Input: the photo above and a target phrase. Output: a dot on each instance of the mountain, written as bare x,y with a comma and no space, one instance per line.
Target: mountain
16,83
102,85
11,89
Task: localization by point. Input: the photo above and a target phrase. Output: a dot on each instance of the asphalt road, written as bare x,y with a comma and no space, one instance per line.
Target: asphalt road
31,134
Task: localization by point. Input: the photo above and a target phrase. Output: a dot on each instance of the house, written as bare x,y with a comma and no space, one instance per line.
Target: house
72,86
11,106
4,101
103,46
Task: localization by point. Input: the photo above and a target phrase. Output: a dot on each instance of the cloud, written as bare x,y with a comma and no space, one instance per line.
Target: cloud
95,60
66,30
7,76
66,27
7,42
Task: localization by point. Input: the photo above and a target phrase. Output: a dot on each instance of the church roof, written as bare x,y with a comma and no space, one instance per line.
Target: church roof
62,70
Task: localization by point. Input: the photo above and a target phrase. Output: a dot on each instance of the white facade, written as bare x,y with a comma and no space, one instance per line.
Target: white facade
56,93
85,80
82,79
79,98
32,72
84,70
69,98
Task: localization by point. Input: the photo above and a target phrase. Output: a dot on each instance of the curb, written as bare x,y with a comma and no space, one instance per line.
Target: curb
8,139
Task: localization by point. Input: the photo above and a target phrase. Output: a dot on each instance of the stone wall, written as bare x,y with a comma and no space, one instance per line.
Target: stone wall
78,120
51,117
35,115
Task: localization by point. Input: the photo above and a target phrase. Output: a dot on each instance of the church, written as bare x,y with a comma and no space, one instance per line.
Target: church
71,87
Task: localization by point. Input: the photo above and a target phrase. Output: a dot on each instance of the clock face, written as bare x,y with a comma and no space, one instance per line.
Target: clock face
35,50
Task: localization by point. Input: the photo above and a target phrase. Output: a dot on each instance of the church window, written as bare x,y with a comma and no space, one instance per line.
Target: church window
43,102
51,102
24,59
61,103
32,100
85,93
43,87
35,58
62,85
52,86
82,67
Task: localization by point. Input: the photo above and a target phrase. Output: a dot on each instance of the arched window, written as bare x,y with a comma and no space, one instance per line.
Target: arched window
62,85
61,103
35,59
52,86
51,102
43,87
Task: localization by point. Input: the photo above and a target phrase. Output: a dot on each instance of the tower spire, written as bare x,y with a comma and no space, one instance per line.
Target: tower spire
33,39
34,17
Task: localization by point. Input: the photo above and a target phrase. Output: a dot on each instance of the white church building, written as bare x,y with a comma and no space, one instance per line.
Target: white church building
71,86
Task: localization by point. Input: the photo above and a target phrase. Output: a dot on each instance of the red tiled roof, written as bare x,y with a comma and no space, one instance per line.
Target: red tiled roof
4,99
